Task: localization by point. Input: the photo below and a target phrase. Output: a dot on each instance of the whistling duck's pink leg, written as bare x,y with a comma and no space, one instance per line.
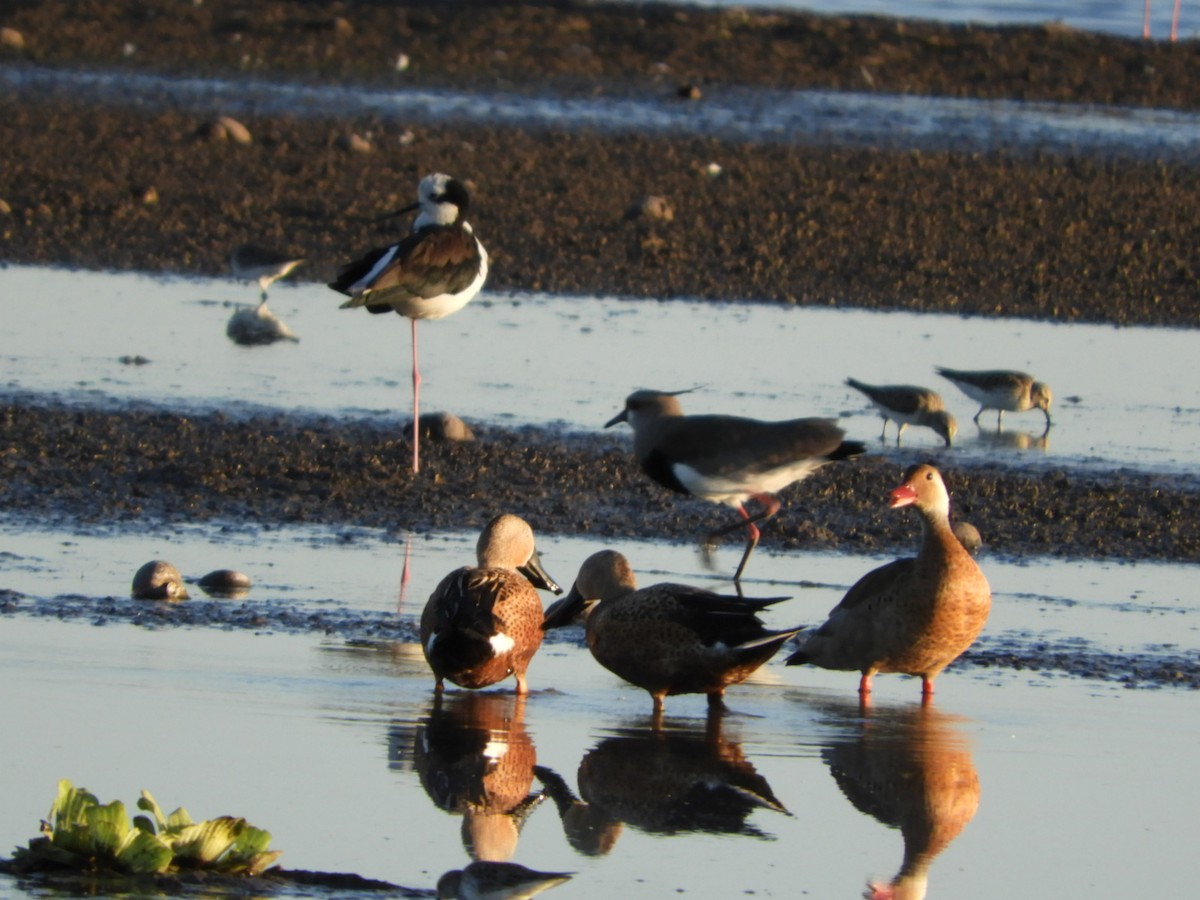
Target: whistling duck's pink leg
416,378
864,685
926,689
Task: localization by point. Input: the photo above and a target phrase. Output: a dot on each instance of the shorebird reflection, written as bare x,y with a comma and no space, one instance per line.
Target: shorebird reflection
497,881
1014,440
662,782
475,759
909,767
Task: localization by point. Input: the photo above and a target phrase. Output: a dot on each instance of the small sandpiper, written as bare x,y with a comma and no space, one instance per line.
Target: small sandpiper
435,271
907,404
250,262
1001,390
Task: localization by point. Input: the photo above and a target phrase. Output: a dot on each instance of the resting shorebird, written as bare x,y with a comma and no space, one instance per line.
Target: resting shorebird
483,623
906,404
727,459
914,616
1001,390
250,262
667,638
435,271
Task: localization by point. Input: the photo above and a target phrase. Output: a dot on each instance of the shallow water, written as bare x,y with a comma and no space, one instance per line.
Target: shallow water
795,117
306,707
1122,17
516,359
334,745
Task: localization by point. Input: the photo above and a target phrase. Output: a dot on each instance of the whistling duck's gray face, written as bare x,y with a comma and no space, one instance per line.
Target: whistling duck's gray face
922,487
644,406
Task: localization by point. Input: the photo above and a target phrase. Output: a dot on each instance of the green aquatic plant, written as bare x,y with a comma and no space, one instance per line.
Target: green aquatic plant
83,834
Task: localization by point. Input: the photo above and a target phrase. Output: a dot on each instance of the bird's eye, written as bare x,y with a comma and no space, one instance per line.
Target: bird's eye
929,476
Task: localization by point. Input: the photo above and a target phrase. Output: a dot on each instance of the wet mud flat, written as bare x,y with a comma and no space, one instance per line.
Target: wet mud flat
115,468
1064,236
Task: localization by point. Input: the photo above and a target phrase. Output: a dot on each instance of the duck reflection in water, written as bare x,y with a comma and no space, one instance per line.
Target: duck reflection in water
910,768
663,781
474,758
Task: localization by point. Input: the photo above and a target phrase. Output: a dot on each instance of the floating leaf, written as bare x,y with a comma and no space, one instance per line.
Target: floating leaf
147,802
70,806
144,853
205,843
109,827
83,834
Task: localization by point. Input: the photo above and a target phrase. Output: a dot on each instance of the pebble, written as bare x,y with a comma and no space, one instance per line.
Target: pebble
445,426
653,207
11,38
158,580
225,583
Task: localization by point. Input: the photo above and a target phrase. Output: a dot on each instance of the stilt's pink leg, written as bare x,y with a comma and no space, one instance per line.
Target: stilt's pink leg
1146,20
1175,22
416,401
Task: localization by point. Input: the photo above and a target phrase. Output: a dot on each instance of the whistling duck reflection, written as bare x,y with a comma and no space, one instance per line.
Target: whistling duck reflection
911,769
663,782
474,757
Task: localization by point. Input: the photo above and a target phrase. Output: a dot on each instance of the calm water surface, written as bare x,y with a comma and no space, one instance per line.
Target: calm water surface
337,748
535,359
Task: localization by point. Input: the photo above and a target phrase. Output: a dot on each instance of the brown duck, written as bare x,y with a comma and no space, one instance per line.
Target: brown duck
483,623
668,638
913,616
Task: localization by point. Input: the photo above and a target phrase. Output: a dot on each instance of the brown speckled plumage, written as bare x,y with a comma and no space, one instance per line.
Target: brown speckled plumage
668,638
913,616
483,623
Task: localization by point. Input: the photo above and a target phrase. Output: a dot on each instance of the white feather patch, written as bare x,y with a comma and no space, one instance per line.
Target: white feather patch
501,642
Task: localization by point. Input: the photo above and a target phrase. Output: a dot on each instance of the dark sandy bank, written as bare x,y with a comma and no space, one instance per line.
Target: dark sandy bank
1061,235
73,467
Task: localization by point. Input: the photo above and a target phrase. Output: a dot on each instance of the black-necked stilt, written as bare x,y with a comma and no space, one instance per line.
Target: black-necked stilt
435,271
251,262
483,623
913,616
906,404
728,459
1001,390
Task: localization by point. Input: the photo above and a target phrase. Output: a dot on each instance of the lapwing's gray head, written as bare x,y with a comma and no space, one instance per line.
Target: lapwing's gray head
644,405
